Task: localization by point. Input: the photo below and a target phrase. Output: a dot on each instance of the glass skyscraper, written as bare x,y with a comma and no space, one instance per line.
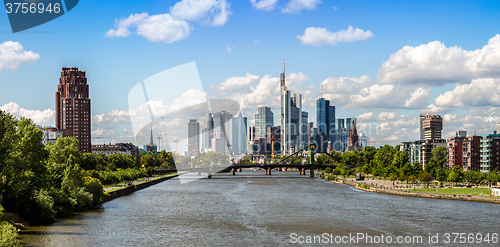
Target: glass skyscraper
264,118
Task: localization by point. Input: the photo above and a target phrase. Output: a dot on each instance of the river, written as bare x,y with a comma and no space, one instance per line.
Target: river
251,209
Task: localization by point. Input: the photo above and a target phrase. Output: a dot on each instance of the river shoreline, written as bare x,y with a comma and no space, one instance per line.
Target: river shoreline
136,187
419,194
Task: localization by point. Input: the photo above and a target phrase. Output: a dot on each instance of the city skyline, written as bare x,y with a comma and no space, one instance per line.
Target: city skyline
359,61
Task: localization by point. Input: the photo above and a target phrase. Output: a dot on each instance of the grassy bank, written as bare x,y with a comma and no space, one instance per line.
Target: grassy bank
457,191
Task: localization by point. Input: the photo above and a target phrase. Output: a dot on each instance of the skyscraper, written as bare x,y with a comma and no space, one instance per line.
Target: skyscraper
432,125
193,137
207,131
221,130
73,106
291,119
239,134
264,118
325,120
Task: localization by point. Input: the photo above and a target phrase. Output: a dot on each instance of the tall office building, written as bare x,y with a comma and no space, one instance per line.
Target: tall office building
207,131
264,118
73,107
291,119
341,136
432,124
193,137
325,120
221,131
238,134
304,127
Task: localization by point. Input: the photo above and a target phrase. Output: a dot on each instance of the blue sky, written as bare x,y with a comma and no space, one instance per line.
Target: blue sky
249,43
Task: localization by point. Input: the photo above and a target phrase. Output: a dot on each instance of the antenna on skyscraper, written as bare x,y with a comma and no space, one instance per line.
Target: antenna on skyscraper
283,66
321,90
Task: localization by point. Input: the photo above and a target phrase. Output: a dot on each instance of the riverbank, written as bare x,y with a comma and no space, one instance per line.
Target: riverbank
115,193
409,193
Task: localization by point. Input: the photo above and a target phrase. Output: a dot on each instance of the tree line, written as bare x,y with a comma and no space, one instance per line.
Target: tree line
42,183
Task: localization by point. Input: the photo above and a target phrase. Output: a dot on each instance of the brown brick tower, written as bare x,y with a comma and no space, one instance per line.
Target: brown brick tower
73,106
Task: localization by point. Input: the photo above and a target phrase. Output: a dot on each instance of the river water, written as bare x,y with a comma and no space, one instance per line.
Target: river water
251,209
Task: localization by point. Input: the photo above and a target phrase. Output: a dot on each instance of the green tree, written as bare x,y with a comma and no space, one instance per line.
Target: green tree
426,177
456,174
400,159
384,156
350,159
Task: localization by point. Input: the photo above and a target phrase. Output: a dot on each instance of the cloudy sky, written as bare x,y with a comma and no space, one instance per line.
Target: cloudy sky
383,61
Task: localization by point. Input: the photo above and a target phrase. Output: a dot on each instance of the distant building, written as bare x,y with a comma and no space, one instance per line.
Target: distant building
325,122
432,125
427,147
455,151
118,148
470,153
222,129
291,119
238,134
73,107
274,139
50,134
207,131
498,128
364,141
193,137
421,118
414,150
489,151
353,144
151,147
264,118
341,136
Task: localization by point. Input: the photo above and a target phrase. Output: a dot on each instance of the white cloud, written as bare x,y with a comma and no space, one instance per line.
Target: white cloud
418,98
375,96
265,5
213,12
295,6
339,89
236,83
156,28
12,55
173,26
435,64
318,36
479,93
44,117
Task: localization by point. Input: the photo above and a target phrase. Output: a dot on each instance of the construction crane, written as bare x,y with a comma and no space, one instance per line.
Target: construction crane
176,145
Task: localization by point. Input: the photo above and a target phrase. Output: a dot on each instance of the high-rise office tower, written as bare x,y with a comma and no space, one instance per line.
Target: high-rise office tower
238,134
432,124
291,119
325,120
207,131
73,107
193,137
264,118
221,130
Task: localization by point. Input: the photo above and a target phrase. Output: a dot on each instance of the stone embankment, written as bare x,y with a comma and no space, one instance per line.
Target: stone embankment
133,188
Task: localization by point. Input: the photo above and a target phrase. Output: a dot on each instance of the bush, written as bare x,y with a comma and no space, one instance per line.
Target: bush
43,209
9,235
94,187
328,170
